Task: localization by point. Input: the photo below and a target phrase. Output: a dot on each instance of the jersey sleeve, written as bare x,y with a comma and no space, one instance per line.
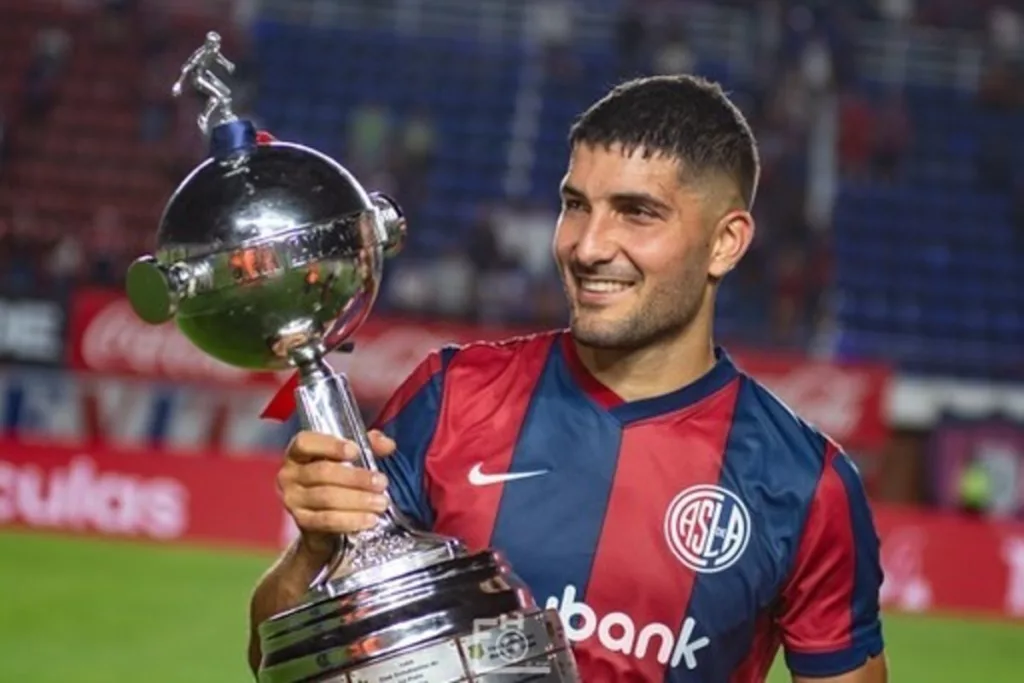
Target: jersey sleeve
829,615
410,418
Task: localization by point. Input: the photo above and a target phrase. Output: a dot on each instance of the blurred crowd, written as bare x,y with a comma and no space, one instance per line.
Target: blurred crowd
815,126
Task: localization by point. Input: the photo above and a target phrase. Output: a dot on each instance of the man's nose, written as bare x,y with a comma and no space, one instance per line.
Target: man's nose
596,243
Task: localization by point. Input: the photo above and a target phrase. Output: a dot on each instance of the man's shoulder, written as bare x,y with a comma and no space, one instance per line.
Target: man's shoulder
486,356
475,369
470,370
787,435
794,457
507,348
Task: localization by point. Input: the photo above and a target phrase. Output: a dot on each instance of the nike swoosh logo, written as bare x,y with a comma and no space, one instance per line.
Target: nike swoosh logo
477,477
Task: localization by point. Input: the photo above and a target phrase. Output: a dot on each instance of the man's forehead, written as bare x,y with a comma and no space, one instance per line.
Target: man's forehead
601,169
623,153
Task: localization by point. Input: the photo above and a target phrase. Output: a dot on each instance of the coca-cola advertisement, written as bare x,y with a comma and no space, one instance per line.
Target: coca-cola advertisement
994,443
845,400
106,336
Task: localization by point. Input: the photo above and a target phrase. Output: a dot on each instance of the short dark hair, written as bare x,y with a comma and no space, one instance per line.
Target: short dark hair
684,117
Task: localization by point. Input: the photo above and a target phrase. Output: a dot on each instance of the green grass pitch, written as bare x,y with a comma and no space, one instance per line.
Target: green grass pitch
94,611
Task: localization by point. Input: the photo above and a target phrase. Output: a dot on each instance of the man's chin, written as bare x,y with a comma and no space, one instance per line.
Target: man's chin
603,337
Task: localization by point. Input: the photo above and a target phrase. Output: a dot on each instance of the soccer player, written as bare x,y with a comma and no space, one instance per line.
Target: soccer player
684,521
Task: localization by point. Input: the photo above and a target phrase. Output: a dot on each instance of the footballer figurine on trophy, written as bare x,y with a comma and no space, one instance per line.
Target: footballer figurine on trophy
198,72
269,256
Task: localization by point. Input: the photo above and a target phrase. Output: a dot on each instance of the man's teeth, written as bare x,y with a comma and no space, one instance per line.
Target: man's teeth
604,285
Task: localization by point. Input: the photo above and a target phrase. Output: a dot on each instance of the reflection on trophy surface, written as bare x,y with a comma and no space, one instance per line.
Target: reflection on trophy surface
270,257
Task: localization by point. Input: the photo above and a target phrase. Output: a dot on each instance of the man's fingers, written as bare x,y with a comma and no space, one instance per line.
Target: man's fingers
318,498
309,446
334,521
382,445
324,490
331,473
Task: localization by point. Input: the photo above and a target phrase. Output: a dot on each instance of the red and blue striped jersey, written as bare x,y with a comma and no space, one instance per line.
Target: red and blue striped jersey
683,538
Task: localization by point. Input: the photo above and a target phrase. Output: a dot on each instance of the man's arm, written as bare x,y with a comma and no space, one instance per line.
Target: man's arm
830,615
409,418
281,588
327,497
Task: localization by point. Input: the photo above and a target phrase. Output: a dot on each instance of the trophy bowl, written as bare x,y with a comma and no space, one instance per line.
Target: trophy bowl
269,256
267,252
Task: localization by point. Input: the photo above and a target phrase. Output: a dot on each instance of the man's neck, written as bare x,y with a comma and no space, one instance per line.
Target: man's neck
651,371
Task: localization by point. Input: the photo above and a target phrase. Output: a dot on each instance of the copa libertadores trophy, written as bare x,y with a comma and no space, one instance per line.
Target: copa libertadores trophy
269,256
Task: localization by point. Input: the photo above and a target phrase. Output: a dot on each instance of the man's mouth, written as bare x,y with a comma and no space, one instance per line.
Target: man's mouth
602,286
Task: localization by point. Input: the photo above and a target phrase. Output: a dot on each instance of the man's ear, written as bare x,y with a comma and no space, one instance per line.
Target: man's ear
729,242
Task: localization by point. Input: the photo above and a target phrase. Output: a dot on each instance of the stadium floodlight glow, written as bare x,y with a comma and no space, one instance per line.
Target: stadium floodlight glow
269,256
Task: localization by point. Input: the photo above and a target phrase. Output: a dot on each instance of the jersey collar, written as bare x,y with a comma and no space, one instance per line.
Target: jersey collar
721,374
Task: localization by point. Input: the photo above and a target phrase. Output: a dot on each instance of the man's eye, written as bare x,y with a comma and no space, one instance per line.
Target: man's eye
571,204
639,211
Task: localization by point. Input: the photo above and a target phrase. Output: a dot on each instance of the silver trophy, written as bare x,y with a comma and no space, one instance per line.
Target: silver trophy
269,257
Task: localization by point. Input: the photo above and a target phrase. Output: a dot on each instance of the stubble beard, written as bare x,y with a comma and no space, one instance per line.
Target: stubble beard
665,314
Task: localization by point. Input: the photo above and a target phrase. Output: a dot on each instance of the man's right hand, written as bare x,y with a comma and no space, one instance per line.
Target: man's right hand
325,494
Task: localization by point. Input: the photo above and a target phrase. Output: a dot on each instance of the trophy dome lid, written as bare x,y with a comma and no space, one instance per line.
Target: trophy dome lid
272,190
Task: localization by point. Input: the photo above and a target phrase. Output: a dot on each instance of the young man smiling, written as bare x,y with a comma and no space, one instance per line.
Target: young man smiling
684,521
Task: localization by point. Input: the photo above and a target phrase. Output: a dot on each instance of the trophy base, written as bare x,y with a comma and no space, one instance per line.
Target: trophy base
384,553
464,619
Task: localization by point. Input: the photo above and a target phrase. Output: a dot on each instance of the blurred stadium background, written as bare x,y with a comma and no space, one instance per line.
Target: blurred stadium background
884,297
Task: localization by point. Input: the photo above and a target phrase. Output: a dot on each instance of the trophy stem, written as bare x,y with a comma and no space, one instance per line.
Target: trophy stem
327,405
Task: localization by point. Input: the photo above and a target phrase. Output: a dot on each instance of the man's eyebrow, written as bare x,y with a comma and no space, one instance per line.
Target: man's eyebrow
567,190
640,198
